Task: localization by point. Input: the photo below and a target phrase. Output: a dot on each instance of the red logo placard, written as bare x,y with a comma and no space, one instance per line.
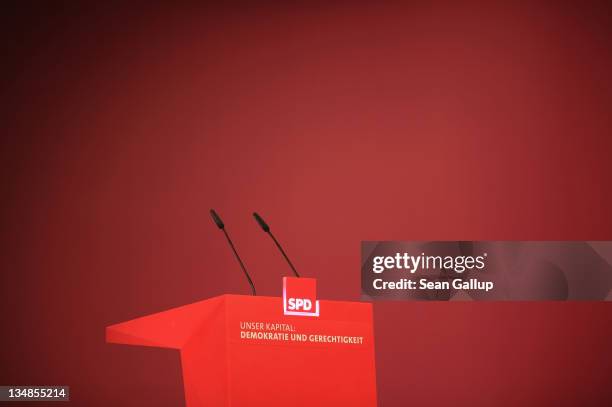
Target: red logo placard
300,297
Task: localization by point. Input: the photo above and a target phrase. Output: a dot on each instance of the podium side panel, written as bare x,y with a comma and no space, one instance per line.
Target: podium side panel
204,363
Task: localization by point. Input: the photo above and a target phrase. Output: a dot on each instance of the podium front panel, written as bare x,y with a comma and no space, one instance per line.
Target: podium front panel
280,360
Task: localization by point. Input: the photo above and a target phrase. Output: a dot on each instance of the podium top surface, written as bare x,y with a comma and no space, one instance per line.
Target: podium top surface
173,328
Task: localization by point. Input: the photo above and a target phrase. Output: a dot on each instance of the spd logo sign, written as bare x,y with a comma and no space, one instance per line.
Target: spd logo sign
300,297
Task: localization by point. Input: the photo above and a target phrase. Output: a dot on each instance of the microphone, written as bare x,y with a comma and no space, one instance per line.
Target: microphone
262,223
217,219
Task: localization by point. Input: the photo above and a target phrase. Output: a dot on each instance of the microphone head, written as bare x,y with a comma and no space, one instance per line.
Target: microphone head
261,222
217,219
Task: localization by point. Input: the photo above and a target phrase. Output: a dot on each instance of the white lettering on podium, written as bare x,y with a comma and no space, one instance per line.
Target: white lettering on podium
299,304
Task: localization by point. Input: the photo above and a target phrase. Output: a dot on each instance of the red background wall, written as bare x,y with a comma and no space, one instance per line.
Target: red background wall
123,126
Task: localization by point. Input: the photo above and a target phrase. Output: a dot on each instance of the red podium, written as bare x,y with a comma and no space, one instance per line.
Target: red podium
241,350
